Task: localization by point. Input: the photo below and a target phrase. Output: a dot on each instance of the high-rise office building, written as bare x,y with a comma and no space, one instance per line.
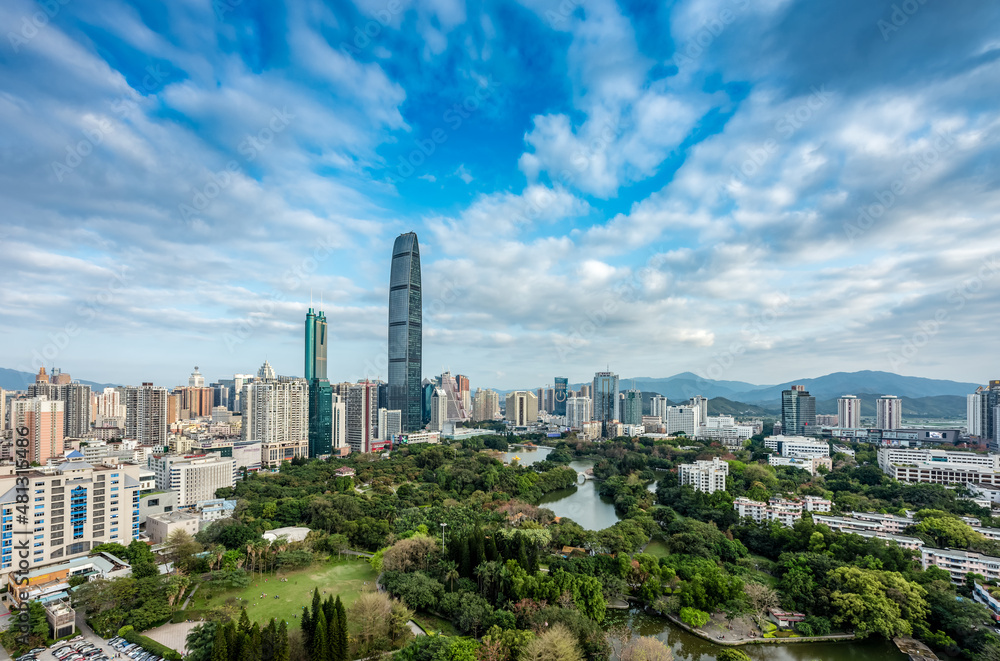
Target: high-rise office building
981,407
146,414
362,416
586,391
427,389
320,402
560,393
522,408
196,380
849,412
577,411
631,411
43,418
405,331
462,391
605,399
888,412
685,419
798,412
439,409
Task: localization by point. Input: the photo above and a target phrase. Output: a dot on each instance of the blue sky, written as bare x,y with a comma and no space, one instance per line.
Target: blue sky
745,189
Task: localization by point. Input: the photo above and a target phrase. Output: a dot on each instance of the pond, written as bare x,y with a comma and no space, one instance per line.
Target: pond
688,647
581,503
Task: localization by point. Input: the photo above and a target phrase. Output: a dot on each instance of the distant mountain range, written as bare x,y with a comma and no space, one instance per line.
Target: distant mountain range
15,380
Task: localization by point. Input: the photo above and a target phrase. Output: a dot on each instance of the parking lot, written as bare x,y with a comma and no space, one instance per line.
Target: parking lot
89,647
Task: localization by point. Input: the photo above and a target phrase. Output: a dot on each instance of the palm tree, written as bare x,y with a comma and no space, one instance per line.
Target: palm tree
451,573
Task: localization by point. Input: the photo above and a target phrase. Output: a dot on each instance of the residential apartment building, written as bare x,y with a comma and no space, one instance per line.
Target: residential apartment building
44,419
146,414
578,412
960,563
658,407
362,416
849,411
784,511
276,410
486,405
74,506
439,409
706,476
194,477
888,412
390,424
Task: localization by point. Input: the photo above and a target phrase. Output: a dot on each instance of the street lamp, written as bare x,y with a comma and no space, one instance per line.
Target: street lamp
443,526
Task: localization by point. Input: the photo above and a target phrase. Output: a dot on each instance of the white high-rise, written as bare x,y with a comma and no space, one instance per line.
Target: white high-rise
702,404
196,380
276,410
339,422
683,418
486,405
888,412
706,476
439,409
974,414
390,424
577,411
849,412
522,408
658,407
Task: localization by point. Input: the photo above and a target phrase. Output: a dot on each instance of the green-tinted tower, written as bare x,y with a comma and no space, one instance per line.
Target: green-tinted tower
320,391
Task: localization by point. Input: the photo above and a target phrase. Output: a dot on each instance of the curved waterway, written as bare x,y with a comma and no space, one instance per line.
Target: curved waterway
582,503
688,647
585,505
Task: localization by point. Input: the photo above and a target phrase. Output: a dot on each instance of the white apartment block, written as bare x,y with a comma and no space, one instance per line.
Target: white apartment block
160,526
960,563
193,477
657,407
719,421
888,412
816,504
486,405
275,411
805,463
72,508
521,408
797,446
785,512
390,424
849,412
439,409
578,411
706,476
590,430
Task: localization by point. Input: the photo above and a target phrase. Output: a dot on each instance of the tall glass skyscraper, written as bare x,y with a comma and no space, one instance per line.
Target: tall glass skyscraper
320,391
798,412
405,334
559,398
605,397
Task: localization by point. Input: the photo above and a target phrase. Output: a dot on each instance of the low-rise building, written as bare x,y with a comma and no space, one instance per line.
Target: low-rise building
786,512
51,582
982,595
275,453
811,464
156,502
940,466
959,563
797,446
844,450
214,510
414,437
291,534
159,527
816,504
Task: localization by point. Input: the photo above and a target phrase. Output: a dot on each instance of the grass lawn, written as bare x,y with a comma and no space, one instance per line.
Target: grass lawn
657,548
433,624
344,577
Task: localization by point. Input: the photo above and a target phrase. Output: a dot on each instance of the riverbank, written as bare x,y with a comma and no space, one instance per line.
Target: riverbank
759,640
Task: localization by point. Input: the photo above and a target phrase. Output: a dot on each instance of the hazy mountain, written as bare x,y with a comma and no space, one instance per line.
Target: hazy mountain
15,380
938,406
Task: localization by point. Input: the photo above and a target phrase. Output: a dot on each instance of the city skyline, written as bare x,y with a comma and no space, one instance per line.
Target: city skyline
175,199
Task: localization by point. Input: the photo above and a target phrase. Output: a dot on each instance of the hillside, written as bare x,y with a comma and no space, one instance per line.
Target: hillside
16,380
940,406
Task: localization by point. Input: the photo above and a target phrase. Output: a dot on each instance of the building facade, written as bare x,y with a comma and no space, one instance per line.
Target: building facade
194,477
849,411
362,416
522,408
486,405
559,395
578,412
44,419
604,395
888,412
146,414
405,331
798,412
706,476
631,412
